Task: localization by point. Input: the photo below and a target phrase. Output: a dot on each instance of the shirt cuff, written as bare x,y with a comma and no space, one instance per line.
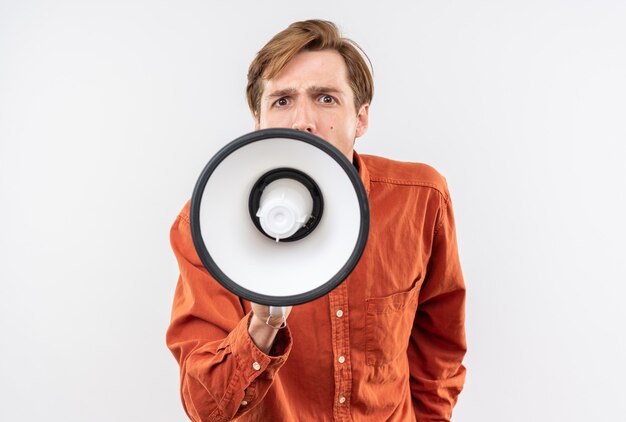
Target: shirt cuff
252,361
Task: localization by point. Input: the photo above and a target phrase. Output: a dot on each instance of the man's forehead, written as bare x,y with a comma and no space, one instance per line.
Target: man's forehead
311,70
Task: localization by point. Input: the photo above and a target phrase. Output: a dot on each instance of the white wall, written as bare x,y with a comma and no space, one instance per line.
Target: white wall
109,111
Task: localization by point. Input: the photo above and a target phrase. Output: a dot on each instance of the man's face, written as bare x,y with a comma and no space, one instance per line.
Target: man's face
311,93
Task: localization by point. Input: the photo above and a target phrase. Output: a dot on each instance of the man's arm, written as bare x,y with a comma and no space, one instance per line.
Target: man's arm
223,372
437,343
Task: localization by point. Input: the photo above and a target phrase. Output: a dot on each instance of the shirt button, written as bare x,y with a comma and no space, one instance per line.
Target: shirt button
341,359
339,313
244,403
342,400
256,366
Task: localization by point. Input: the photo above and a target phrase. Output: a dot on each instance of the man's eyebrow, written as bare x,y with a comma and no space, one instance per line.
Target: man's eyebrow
316,89
282,92
319,89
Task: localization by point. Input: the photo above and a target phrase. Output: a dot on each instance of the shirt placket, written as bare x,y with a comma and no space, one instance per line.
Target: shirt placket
340,316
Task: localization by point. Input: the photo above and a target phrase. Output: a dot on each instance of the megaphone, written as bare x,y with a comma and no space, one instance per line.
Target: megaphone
279,217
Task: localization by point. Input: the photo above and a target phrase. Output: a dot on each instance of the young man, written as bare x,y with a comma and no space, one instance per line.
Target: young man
387,344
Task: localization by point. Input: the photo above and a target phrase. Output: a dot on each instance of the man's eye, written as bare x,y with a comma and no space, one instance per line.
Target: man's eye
327,99
281,102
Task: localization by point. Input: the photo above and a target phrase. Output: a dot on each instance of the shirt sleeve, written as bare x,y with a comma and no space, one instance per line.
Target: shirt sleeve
222,373
437,344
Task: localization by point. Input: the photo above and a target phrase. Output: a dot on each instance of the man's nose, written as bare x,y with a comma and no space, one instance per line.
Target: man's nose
304,119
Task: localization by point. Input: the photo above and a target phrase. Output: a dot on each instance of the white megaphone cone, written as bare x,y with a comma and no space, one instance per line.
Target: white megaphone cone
279,217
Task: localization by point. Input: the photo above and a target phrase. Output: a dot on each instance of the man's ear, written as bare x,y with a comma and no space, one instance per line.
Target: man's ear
257,123
362,120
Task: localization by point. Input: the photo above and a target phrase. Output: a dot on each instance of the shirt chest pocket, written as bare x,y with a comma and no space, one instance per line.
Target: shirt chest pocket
388,325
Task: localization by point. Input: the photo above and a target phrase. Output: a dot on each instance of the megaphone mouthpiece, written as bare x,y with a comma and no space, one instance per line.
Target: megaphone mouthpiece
283,202
284,207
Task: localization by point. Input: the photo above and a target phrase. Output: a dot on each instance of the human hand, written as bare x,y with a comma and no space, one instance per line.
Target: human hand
264,326
273,316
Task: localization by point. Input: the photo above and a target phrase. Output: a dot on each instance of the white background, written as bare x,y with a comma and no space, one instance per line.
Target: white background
109,111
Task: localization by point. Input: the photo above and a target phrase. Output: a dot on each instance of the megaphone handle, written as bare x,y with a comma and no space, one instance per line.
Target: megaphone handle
277,311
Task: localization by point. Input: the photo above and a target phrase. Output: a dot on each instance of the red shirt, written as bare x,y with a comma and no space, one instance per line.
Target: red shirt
386,345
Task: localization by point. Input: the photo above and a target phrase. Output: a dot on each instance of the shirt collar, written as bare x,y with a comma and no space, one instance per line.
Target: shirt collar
363,172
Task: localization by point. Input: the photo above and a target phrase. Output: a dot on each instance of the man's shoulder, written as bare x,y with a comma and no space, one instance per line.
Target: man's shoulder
385,170
184,213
